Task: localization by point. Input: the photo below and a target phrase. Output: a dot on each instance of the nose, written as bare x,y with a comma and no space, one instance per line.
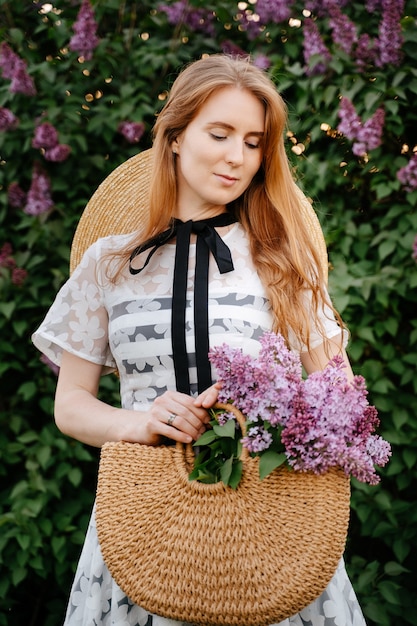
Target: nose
234,153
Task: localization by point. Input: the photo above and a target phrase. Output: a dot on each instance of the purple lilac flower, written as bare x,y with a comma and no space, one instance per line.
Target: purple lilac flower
369,135
46,136
22,82
366,135
343,29
15,68
321,7
350,120
9,61
407,175
16,196
182,13
366,52
257,439
390,39
414,253
58,153
373,5
6,258
262,61
229,47
332,425
8,120
85,39
273,10
19,276
39,198
131,131
314,45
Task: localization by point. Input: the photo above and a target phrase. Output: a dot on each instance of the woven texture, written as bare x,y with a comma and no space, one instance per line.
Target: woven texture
119,204
208,554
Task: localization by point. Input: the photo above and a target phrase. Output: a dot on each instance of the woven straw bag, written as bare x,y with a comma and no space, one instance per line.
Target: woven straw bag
208,554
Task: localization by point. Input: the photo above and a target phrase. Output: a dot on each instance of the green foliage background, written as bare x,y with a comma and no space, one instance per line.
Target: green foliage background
47,480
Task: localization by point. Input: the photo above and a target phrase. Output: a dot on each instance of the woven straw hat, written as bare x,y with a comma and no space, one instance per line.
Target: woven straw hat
120,202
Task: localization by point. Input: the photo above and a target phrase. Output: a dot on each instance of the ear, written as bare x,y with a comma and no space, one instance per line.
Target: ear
175,146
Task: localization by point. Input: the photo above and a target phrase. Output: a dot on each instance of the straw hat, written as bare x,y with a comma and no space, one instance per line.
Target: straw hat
120,202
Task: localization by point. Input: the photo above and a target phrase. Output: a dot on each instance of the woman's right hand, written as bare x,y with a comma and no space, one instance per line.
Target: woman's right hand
79,413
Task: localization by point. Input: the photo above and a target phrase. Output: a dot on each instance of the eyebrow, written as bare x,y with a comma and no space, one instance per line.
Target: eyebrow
230,127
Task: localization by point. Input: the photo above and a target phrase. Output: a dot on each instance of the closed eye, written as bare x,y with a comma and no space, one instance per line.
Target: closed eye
218,137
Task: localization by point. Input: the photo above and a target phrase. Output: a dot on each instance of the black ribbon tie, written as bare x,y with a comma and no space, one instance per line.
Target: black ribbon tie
208,240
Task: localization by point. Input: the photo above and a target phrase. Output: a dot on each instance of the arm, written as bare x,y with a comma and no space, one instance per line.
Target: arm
80,414
318,358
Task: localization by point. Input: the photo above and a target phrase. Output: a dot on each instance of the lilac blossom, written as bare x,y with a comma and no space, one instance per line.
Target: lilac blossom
9,61
261,61
22,82
321,7
332,425
365,52
19,276
373,5
407,175
6,256
343,29
366,135
324,421
313,45
273,10
195,18
85,39
131,131
46,136
16,196
58,153
15,69
350,120
8,120
229,47
39,198
257,439
390,38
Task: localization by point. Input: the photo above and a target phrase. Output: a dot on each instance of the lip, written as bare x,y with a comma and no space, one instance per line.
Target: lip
226,180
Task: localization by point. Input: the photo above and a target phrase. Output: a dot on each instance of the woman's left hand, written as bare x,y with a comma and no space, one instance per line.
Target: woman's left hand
208,397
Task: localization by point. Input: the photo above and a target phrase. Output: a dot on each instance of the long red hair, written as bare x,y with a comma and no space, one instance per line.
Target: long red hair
269,210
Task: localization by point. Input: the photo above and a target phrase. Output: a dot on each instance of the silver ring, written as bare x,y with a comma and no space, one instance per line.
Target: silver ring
171,418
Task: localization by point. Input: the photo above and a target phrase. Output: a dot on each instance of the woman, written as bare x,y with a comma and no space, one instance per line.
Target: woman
219,169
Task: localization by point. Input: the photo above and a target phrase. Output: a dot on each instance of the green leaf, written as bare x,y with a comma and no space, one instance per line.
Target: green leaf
206,438
394,569
226,430
226,470
269,461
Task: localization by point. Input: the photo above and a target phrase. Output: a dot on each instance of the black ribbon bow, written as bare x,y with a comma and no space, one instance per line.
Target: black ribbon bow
208,240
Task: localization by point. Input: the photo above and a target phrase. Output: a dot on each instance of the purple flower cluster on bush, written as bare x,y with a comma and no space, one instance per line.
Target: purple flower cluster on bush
18,274
407,175
131,131
8,120
15,69
85,40
197,19
314,46
38,199
323,421
414,253
365,135
46,139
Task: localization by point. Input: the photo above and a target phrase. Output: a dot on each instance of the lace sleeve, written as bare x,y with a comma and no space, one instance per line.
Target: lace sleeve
78,320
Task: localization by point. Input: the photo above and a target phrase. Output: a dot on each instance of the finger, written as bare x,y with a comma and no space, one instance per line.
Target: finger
207,398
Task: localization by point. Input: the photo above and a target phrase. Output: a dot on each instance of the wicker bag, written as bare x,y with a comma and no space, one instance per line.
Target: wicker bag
208,554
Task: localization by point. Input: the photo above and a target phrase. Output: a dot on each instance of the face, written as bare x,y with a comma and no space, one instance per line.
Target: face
219,153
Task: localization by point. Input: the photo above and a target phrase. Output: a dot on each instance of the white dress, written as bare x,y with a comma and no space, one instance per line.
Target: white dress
127,327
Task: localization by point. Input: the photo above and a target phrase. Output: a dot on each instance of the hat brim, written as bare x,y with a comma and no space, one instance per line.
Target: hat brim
119,205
